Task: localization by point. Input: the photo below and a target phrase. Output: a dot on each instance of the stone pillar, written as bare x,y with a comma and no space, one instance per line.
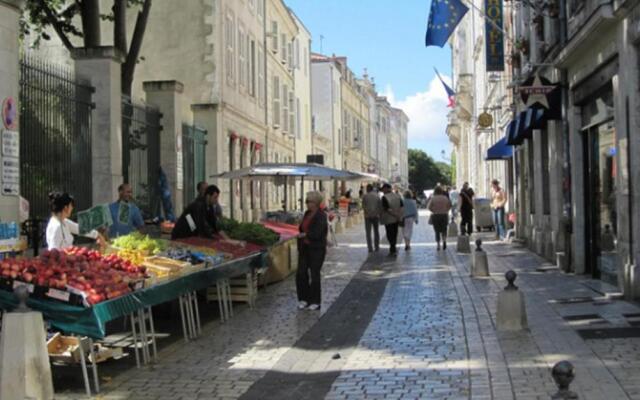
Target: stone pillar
10,11
101,66
167,96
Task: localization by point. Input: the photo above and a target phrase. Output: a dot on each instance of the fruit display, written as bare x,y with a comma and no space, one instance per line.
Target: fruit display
139,242
77,270
165,268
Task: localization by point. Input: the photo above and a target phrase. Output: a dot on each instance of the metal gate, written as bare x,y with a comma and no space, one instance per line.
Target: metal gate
193,160
141,154
55,135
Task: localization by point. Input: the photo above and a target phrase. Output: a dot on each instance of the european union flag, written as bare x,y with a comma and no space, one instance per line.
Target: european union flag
443,19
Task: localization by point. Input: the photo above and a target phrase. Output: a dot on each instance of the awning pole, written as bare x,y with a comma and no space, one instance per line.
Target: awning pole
302,194
286,193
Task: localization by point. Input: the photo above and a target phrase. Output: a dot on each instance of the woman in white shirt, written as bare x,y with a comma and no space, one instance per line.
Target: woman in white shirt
60,229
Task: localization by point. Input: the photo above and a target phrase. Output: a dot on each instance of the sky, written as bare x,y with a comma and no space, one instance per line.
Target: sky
387,38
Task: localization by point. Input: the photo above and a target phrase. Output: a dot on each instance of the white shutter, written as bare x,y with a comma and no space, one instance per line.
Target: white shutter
276,102
274,36
285,109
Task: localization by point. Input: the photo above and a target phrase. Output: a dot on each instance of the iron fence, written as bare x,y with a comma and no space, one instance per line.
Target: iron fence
55,135
193,160
141,154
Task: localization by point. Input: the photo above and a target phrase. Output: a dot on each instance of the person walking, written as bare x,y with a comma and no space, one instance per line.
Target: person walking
410,218
312,248
372,206
391,216
498,202
466,209
439,207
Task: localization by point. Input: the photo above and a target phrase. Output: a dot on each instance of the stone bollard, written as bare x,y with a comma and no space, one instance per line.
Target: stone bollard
463,244
511,313
563,374
453,229
339,228
480,266
25,372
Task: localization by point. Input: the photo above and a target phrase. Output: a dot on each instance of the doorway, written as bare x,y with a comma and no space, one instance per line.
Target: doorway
601,222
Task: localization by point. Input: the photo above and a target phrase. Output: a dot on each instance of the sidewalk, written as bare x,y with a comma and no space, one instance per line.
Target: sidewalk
560,307
411,327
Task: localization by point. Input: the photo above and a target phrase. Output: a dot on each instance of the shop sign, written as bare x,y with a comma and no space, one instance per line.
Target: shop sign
539,92
494,36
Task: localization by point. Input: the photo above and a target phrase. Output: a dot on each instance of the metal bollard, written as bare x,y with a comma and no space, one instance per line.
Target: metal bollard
563,374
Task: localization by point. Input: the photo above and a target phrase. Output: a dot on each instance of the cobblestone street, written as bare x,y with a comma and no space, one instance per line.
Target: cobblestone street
415,326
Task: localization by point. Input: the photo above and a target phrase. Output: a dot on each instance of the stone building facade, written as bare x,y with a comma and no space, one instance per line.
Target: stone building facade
575,193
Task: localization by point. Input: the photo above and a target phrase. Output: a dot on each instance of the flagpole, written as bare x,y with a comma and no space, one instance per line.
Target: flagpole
485,16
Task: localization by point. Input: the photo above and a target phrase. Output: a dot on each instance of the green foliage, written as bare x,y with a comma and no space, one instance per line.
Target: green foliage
249,232
425,172
40,15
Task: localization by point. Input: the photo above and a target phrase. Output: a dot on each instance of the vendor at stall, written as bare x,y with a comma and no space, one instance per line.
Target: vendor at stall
125,214
216,209
197,220
60,229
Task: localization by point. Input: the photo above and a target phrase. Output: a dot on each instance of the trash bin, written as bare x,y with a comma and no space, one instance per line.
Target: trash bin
482,213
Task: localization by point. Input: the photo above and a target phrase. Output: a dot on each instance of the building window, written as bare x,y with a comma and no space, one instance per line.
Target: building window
285,109
230,45
290,56
274,36
242,58
283,47
260,67
298,119
276,102
546,186
292,114
306,62
260,9
252,68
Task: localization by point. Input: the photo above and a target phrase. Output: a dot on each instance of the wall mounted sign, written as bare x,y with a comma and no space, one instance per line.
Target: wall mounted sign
9,113
10,144
494,36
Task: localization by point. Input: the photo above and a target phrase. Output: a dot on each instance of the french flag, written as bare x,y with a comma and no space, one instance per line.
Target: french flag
451,95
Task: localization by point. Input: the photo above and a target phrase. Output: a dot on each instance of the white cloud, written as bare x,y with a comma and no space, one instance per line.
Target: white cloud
427,111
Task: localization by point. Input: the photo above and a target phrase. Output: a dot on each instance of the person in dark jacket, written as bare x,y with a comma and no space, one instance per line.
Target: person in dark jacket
312,248
466,209
197,220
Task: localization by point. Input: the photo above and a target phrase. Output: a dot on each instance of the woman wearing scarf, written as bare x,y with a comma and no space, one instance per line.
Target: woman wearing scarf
312,248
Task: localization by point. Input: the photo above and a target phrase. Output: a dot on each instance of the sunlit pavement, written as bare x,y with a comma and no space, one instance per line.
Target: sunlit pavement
414,326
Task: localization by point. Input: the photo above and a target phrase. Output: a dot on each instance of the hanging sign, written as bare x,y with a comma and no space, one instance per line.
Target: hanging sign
485,120
494,37
539,92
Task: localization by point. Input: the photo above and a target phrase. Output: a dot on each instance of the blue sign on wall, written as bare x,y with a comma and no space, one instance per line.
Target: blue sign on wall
494,36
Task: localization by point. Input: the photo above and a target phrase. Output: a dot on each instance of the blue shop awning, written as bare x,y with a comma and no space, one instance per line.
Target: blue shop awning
521,128
500,151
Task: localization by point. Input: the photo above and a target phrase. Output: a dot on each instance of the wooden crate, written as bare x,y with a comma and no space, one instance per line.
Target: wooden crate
244,289
279,263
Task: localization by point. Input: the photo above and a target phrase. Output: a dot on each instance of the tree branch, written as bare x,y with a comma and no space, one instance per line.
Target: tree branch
129,65
57,26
